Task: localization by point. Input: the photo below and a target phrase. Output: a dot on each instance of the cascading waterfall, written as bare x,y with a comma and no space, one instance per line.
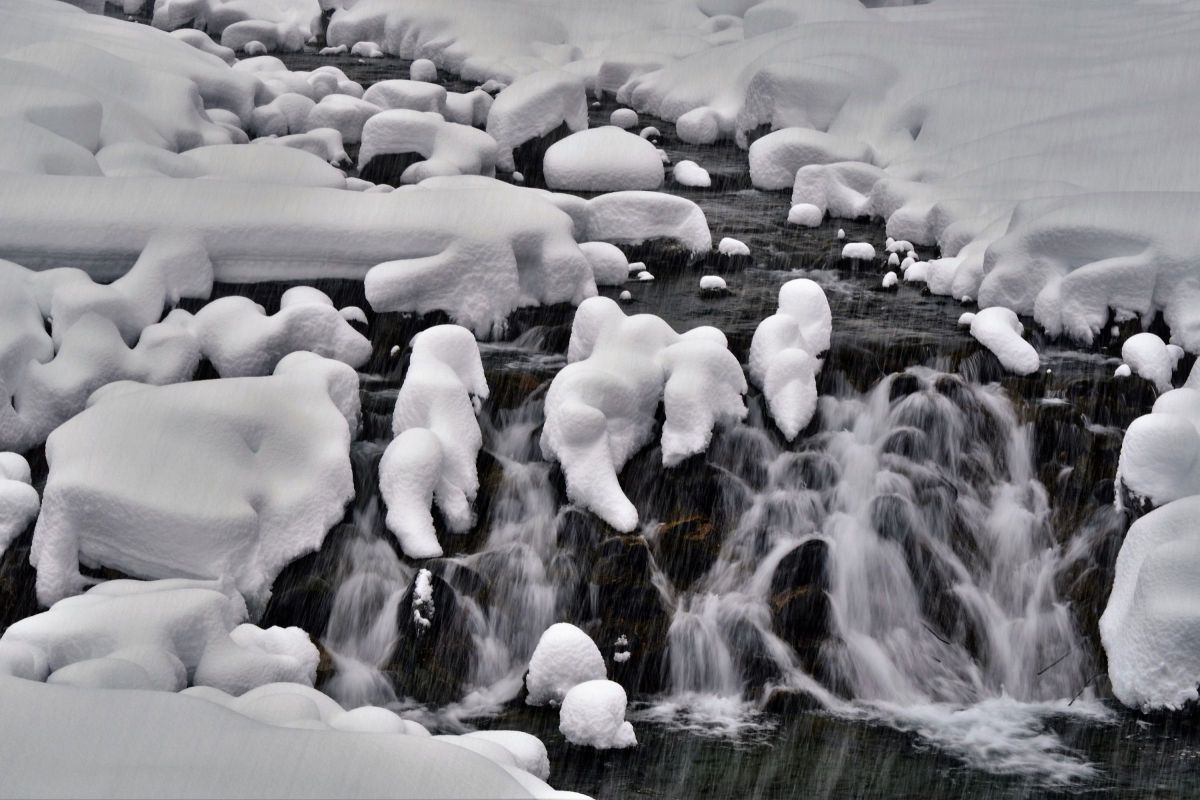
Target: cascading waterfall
920,527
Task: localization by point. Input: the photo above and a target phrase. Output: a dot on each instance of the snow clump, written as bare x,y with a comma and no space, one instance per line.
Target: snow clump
999,330
19,501
689,173
603,159
564,657
593,715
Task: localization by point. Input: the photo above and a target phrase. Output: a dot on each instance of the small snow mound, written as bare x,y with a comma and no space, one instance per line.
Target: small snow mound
784,350
593,715
890,280
858,251
603,159
564,656
422,607
366,50
1148,356
893,260
423,70
610,267
19,501
689,173
1160,454
699,126
254,48
1122,371
999,330
805,214
625,296
841,234
713,283
250,656
645,276
776,157
624,118
729,246
650,132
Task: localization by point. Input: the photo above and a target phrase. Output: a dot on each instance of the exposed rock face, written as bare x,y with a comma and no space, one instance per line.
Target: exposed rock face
799,599
629,606
432,663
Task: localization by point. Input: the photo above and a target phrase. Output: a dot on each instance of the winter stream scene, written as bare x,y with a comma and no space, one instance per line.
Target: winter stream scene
754,399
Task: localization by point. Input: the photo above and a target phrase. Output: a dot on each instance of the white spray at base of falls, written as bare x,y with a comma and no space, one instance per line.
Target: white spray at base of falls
940,577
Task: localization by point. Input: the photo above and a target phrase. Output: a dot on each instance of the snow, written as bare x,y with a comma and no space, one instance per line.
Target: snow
366,50
1122,371
1150,628
1160,454
236,477
650,132
285,114
564,657
776,157
533,106
423,607
645,276
890,280
858,251
411,94
610,267
448,148
249,657
805,214
593,715
729,246
637,216
205,749
437,440
712,283
689,173
326,143
422,69
999,330
603,159
527,750
276,24
601,407
19,501
624,118
625,296
1147,355
698,126
345,114
784,354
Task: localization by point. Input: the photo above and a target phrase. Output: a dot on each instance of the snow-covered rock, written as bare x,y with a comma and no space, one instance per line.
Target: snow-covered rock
366,50
526,749
564,657
1147,356
437,440
999,330
698,126
422,69
624,118
858,251
610,267
533,106
689,173
232,477
345,114
603,159
1160,454
785,354
413,95
776,157
636,216
19,501
890,280
325,143
250,656
448,148
276,24
714,284
601,407
805,214
729,246
593,715
1150,628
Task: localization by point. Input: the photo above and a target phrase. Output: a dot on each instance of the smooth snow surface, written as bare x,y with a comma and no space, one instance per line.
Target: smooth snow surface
1160,454
533,106
564,657
601,407
603,159
999,330
447,147
1148,356
806,214
689,173
231,477
712,283
593,715
858,251
1151,625
19,501
732,247
610,267
437,440
422,69
785,351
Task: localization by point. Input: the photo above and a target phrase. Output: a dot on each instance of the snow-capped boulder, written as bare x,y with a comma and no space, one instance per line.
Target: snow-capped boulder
610,267
1160,454
603,159
1148,356
601,407
407,94
785,354
533,106
593,715
999,330
448,148
689,173
777,157
422,69
637,216
249,656
232,477
19,501
564,657
437,439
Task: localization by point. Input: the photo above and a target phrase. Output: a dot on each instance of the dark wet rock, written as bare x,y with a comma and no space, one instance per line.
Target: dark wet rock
465,581
903,385
982,366
1112,401
662,257
510,388
1087,582
431,664
528,156
813,470
894,518
306,605
1059,433
687,548
18,597
789,702
629,605
389,167
800,607
909,443
752,656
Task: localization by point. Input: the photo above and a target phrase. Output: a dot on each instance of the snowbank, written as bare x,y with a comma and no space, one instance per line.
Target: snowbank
1151,628
278,24
235,477
1160,454
785,351
249,657
19,501
437,440
601,407
776,157
413,95
593,715
610,267
603,159
999,330
448,148
210,751
1148,356
634,217
564,657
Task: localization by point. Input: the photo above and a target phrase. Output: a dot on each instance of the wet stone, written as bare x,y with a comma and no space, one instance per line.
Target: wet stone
431,664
